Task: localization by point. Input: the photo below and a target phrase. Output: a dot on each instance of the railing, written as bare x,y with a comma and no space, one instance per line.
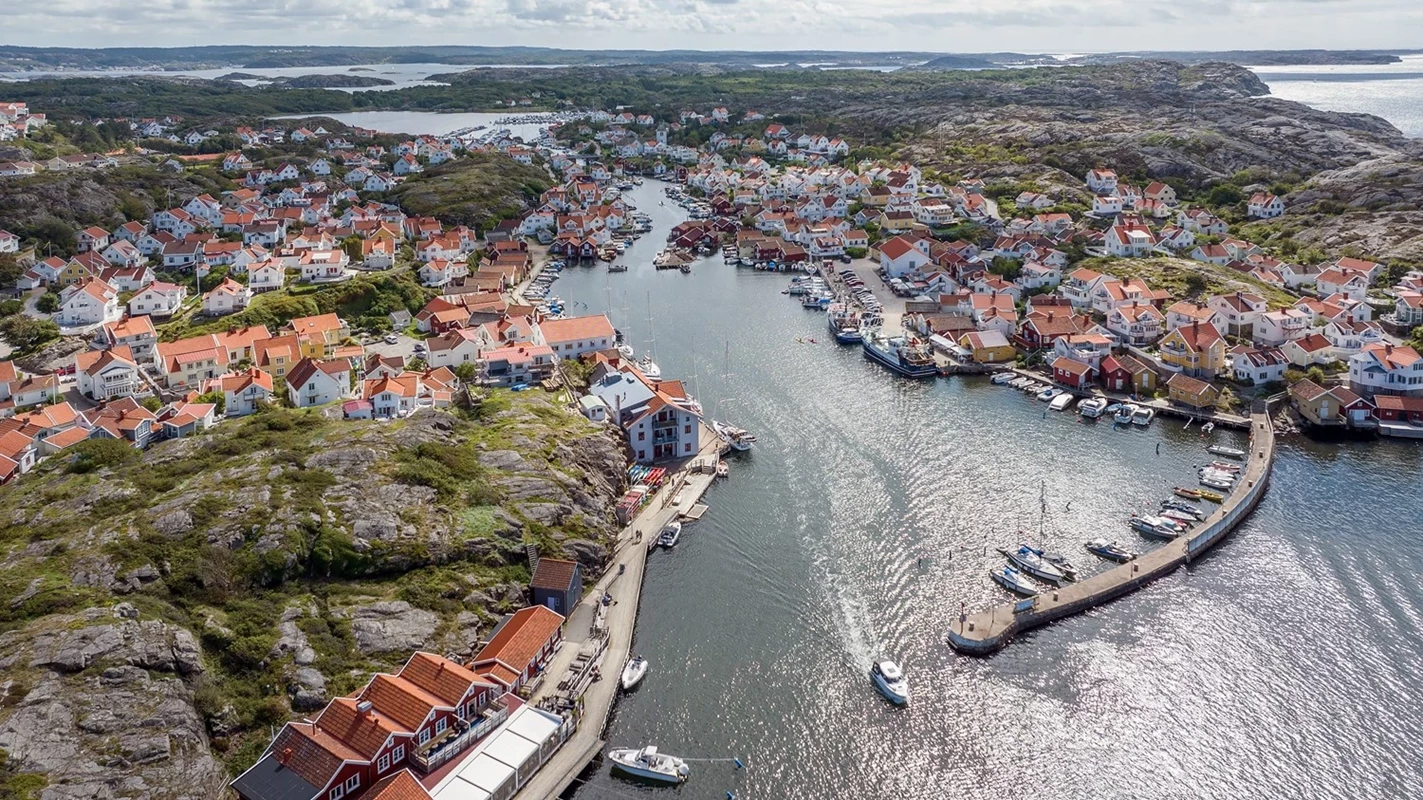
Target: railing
438,751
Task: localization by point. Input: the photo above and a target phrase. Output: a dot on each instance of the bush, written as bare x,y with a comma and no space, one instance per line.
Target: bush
25,333
48,303
92,454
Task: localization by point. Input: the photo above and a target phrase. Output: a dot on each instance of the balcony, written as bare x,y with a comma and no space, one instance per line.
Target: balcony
440,750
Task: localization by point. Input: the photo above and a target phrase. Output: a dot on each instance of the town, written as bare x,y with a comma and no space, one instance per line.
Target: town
213,309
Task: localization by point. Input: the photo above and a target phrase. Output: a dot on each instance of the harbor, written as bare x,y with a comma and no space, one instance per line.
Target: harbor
870,513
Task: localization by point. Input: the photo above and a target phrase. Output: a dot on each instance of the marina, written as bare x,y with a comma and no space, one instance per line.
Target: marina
868,513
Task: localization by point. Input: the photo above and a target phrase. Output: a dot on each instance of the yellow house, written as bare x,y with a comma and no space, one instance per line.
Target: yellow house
319,335
1196,349
73,272
1192,392
988,347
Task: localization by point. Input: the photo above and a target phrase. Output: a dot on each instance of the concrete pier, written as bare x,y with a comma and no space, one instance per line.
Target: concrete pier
987,631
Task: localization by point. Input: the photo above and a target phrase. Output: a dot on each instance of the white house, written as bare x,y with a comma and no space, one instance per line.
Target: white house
1238,311
1386,369
899,256
1353,285
1102,181
107,374
90,302
1259,366
314,382
265,276
227,297
158,299
1274,328
1264,205
571,337
245,392
1137,323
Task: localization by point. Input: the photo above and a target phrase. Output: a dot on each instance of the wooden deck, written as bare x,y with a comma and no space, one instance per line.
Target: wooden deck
987,631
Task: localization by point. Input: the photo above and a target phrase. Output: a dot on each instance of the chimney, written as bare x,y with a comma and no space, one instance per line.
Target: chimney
285,756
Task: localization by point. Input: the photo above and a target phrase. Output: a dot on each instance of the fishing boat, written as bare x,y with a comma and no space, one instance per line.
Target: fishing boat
1013,580
1155,527
1143,416
1092,407
650,764
1228,452
1124,414
1194,494
1031,561
1061,402
889,679
671,532
1000,378
1049,393
633,673
1110,551
845,324
901,355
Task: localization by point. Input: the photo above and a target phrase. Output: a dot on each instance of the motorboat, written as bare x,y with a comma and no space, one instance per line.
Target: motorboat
1049,393
671,532
1223,466
1018,383
625,350
1062,562
1143,416
1217,483
1228,452
739,440
633,672
1180,505
649,368
650,764
1061,402
889,679
1214,497
1013,580
1092,407
1155,527
1125,414
1031,561
1110,551
1000,378
1184,517
1219,474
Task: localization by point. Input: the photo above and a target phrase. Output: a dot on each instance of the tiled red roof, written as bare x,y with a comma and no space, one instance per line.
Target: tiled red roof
440,677
400,786
522,637
311,752
554,573
364,731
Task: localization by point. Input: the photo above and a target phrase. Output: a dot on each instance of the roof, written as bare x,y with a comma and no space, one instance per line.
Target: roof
310,752
307,368
519,640
269,779
896,248
402,701
442,678
554,573
1073,366
400,786
1198,335
1187,384
365,732
1307,390
569,329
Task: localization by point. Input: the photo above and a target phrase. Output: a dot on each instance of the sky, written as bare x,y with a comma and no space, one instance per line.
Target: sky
957,26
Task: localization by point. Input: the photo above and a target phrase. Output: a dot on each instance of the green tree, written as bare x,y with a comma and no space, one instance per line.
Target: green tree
48,303
10,270
1224,195
465,372
26,333
218,399
92,454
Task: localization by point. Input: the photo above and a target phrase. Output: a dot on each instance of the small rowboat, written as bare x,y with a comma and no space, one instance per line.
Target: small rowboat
1194,494
1214,497
1228,452
1221,465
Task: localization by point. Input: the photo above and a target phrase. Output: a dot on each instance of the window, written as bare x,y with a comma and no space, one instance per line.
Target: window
384,763
686,429
398,754
440,725
641,435
338,792
424,736
353,783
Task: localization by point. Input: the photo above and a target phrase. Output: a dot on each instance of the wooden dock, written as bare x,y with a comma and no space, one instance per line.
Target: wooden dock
987,631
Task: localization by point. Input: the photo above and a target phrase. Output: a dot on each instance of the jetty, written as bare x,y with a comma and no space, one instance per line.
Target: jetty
614,622
984,632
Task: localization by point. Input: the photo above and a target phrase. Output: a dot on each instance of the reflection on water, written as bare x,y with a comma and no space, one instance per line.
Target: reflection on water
1282,665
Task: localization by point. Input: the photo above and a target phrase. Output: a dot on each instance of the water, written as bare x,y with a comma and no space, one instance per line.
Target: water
1391,91
402,75
1284,665
433,123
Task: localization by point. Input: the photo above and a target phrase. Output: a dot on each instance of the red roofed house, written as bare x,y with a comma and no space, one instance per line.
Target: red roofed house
571,337
520,646
1073,373
899,256
315,382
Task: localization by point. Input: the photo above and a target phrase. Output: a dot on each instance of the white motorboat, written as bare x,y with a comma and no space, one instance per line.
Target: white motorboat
1124,414
1223,466
650,764
1013,580
1154,526
1228,452
1092,407
739,440
1184,517
889,679
1143,416
1000,378
633,672
1217,483
670,534
1049,393
625,350
1110,551
649,368
1061,402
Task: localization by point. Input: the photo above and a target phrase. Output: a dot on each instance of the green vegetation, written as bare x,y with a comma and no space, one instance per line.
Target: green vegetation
1188,279
476,190
27,334
364,302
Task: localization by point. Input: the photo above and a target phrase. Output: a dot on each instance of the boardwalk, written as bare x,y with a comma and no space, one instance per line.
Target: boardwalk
587,741
984,632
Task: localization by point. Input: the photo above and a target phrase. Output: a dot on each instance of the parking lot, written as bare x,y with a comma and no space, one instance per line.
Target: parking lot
403,346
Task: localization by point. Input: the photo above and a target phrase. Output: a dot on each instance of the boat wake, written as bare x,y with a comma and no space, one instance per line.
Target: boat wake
851,617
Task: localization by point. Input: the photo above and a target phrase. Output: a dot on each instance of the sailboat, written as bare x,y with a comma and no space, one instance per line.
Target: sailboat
646,365
739,439
1038,561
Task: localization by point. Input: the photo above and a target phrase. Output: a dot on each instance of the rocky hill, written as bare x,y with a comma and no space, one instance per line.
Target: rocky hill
159,612
476,190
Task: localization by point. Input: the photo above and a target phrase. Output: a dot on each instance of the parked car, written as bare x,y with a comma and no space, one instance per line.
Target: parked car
391,338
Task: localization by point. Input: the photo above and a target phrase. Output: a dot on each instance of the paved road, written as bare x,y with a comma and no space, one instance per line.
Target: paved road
404,347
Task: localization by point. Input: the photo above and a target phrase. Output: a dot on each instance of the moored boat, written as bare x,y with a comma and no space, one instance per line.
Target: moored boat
901,355
1110,551
1031,561
1092,407
889,679
633,672
1180,505
1154,526
1000,378
650,764
671,532
1223,466
1124,414
1217,483
1050,393
1143,416
1061,402
1194,494
1228,452
1013,580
